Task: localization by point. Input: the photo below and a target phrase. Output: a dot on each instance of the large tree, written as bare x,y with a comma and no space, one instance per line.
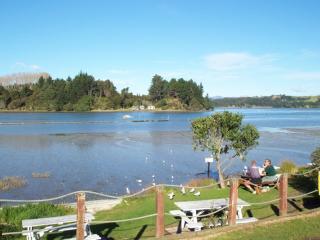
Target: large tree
158,89
224,134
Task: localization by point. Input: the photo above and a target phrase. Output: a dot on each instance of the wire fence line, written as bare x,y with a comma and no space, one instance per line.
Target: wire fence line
303,195
125,220
105,195
155,214
305,173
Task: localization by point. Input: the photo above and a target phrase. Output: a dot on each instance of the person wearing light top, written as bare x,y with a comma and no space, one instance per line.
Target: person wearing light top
254,177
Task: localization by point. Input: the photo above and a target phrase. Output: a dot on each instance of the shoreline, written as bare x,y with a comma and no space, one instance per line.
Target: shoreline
150,111
108,111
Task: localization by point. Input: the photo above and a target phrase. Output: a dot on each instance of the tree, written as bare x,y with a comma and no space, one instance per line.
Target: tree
158,89
224,133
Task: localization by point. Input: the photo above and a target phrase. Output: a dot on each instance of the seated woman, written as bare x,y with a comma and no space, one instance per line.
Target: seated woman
270,174
254,177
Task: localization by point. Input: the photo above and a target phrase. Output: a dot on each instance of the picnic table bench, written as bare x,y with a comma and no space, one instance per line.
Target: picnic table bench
50,222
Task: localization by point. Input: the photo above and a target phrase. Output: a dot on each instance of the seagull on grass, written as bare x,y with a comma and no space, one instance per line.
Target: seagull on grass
197,194
171,195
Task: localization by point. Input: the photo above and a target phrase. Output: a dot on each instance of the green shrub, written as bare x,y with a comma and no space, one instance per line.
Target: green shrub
103,103
287,166
68,107
84,104
14,215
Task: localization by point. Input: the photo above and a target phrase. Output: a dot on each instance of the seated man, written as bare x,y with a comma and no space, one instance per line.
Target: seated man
270,174
254,177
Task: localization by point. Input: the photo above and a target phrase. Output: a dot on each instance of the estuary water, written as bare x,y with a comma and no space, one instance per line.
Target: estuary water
106,153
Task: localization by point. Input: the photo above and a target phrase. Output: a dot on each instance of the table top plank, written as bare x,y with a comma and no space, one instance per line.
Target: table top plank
207,204
53,220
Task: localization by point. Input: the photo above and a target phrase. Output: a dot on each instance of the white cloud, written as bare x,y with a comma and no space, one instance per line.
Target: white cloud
302,76
229,61
22,66
35,67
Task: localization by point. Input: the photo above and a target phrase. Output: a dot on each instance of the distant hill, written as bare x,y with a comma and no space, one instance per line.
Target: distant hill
274,101
21,78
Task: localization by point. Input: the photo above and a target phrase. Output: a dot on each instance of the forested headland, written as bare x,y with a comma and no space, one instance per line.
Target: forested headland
85,93
274,101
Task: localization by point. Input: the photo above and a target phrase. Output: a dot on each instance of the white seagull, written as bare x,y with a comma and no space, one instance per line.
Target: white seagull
197,194
171,195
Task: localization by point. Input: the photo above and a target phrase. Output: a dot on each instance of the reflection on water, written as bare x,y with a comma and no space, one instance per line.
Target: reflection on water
108,157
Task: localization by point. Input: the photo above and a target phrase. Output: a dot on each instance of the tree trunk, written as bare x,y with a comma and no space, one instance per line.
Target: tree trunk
221,178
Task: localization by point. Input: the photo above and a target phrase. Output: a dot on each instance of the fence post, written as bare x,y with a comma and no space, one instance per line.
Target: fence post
233,198
81,198
160,212
319,182
283,194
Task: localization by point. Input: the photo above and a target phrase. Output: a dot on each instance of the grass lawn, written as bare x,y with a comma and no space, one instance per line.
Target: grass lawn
303,228
145,204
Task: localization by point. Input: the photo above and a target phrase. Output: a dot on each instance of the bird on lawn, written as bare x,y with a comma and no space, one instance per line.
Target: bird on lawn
197,194
171,195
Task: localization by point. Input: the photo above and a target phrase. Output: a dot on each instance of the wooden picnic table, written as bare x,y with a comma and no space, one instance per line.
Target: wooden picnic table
197,208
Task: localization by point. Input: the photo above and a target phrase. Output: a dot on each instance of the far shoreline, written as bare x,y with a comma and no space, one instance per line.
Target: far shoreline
150,111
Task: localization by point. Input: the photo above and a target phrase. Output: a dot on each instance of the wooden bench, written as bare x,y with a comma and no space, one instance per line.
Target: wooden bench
29,224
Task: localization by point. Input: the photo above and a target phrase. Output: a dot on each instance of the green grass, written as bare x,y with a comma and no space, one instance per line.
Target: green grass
146,205
294,230
11,217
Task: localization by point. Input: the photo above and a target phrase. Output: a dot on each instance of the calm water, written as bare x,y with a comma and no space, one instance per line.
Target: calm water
105,153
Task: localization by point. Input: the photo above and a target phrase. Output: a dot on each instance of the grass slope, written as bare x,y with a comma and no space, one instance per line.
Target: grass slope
303,228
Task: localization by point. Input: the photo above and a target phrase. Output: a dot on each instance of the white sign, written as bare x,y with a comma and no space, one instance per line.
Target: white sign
208,159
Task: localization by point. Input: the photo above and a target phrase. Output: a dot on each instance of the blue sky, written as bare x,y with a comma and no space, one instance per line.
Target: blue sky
235,48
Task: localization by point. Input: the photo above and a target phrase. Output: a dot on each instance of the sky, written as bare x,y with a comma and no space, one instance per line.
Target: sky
235,48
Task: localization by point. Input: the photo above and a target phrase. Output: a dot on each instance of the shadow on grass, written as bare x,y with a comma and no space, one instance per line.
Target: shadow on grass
104,230
275,209
140,233
305,184
295,205
61,235
311,202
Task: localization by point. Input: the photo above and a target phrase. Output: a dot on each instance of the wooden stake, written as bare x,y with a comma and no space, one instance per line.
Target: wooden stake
233,198
319,182
160,212
283,194
81,198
